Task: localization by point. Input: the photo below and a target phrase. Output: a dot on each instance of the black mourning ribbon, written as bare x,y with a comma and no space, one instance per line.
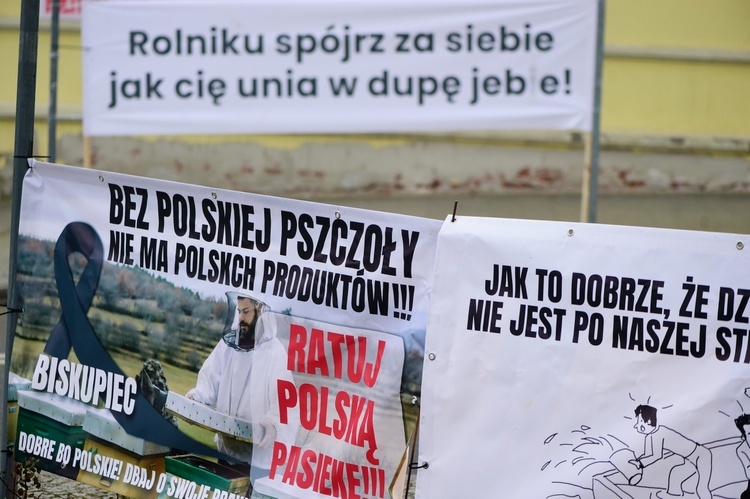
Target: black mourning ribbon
74,329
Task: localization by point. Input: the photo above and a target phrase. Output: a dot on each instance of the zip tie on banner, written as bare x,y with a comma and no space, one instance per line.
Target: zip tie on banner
11,310
455,207
28,167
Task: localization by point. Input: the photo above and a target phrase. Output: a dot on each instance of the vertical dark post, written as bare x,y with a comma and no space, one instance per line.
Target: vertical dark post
23,149
594,180
54,56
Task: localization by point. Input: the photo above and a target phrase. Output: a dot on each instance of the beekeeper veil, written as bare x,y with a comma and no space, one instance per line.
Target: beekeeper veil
247,324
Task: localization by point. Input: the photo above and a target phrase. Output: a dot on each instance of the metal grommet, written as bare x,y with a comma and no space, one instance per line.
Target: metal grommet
740,245
570,232
432,356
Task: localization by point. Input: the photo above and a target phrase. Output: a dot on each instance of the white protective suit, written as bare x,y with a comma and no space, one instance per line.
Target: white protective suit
243,384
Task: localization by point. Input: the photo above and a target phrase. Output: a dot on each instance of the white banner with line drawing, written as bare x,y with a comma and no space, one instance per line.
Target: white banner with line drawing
584,360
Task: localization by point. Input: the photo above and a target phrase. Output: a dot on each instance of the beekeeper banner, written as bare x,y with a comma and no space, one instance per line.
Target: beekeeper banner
336,66
183,341
590,361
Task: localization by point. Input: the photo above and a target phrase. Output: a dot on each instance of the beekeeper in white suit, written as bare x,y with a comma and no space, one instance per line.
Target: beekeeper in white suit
239,378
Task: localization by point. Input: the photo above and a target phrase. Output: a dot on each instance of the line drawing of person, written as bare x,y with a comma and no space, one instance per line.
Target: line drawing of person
659,439
239,378
743,449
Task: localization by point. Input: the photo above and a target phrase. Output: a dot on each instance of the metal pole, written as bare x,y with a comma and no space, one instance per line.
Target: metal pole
23,149
54,55
586,184
594,175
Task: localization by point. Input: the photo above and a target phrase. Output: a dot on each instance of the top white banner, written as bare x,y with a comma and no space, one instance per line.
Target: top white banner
335,66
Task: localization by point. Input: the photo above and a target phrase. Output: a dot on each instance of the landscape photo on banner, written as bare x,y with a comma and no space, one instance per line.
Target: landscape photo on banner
335,66
179,339
586,360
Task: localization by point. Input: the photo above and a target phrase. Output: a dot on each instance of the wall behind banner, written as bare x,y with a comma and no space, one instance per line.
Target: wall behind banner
675,119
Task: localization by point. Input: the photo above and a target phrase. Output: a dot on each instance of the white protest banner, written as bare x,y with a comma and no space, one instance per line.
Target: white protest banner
335,66
589,361
181,338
